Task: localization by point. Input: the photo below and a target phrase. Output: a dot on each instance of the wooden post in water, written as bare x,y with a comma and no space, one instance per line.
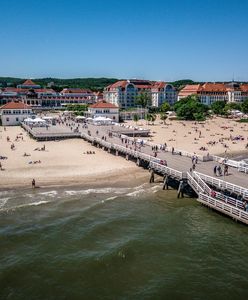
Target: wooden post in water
152,176
138,162
127,157
179,191
166,182
116,153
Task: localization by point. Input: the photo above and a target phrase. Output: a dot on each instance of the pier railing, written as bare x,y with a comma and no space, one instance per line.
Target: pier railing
221,184
193,183
223,207
165,170
242,167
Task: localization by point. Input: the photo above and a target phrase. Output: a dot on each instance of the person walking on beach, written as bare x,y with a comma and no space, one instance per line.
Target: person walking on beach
33,183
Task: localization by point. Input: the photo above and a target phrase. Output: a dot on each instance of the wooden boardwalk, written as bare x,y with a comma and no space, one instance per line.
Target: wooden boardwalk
179,167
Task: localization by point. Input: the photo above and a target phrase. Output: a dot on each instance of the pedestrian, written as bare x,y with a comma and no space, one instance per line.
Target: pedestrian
33,183
225,170
193,167
219,170
215,170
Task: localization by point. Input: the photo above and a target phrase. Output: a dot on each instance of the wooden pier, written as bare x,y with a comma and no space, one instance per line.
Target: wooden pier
225,195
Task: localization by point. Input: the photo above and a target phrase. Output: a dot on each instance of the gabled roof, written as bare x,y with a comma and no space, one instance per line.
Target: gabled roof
103,105
28,82
213,87
76,91
244,87
15,105
189,89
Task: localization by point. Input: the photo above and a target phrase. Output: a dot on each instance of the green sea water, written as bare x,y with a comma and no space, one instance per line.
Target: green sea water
118,243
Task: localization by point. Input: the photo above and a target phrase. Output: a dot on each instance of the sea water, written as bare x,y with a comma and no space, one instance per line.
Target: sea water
118,243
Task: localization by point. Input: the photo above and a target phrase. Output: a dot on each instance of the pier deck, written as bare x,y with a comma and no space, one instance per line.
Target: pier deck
178,164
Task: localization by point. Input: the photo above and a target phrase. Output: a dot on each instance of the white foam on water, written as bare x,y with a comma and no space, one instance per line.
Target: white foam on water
98,191
49,193
3,201
110,198
25,205
135,193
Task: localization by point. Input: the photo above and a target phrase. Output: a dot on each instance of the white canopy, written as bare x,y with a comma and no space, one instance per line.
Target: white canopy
80,117
47,118
38,120
28,120
102,119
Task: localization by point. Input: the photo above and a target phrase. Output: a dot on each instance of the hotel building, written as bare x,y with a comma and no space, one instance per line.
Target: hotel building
208,93
124,93
13,113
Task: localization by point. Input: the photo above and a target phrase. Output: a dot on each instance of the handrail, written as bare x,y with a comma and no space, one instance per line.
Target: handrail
223,184
242,167
193,183
203,184
226,208
166,170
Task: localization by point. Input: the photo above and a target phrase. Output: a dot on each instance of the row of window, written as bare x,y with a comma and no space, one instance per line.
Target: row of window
16,112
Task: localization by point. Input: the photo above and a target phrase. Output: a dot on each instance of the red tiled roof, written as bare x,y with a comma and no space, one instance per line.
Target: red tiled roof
15,105
244,87
28,82
103,105
121,83
189,89
213,87
76,91
44,91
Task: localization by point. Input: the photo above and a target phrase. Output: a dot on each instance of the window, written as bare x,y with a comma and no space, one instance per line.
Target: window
17,119
7,119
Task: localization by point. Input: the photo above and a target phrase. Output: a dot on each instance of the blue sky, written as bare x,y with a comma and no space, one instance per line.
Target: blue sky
158,40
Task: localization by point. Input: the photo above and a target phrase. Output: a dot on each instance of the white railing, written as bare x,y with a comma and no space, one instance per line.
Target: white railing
225,208
221,184
242,167
207,190
166,170
203,184
193,183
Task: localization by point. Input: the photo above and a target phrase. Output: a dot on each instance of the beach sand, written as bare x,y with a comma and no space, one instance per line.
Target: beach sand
185,135
62,163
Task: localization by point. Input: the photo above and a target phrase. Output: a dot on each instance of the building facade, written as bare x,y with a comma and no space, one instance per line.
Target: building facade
103,109
13,113
37,97
208,93
124,93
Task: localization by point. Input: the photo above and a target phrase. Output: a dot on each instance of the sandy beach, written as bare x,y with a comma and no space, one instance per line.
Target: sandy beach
62,163
217,136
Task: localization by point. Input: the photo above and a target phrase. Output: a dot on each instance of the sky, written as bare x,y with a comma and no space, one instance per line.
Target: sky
202,40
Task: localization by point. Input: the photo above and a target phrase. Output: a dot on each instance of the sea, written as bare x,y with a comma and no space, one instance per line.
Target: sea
118,243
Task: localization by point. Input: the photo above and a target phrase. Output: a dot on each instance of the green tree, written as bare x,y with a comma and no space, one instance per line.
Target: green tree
218,107
144,100
136,118
165,107
163,117
244,106
190,108
232,105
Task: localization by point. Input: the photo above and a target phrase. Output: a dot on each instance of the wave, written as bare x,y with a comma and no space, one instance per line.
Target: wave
25,205
3,201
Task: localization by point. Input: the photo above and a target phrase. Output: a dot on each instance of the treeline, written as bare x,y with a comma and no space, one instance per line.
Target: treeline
95,84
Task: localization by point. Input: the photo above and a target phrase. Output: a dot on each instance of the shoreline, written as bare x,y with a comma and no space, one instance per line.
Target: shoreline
128,177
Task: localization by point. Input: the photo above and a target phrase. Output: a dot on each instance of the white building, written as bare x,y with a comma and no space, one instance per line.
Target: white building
163,92
103,109
13,113
209,93
124,93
